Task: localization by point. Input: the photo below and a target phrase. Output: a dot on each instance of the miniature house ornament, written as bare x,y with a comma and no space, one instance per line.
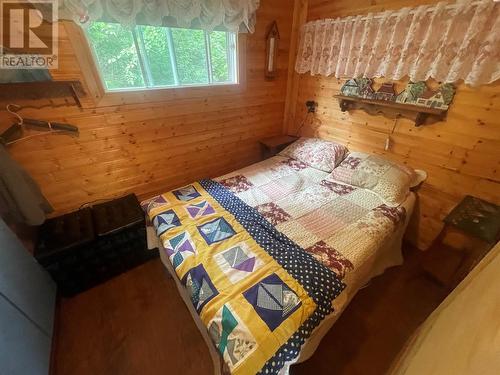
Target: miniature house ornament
272,39
417,93
386,92
416,101
359,87
350,88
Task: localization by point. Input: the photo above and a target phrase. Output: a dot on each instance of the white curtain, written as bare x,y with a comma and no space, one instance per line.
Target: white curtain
447,43
231,15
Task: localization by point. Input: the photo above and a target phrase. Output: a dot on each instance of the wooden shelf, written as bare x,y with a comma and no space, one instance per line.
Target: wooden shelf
393,109
42,90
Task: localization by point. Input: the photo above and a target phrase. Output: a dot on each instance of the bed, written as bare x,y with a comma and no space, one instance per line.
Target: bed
347,230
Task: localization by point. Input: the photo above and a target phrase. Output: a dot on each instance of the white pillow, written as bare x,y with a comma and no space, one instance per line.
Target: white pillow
389,180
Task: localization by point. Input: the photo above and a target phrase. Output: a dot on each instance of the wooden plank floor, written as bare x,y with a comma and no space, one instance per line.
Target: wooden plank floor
138,324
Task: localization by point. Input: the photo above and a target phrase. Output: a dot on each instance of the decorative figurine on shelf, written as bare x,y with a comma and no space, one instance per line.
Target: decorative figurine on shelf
415,93
421,102
350,88
411,93
431,99
386,92
447,90
365,88
359,87
419,94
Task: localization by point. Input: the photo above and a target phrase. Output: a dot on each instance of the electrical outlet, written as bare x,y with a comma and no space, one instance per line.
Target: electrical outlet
311,106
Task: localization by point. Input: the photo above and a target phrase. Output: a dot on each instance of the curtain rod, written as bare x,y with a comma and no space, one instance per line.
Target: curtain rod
379,14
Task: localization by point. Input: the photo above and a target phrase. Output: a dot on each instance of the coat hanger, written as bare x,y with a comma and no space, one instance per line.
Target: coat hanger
14,133
15,130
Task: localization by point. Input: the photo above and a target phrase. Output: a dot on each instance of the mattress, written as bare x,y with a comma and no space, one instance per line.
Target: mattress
347,229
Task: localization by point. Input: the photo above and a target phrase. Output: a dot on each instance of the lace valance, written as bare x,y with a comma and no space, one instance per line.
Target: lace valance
447,43
231,15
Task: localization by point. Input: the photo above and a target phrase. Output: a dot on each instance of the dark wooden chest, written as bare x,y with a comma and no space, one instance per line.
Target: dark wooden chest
84,248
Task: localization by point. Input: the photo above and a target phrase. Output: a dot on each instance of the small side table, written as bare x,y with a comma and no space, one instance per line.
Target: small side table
476,224
272,145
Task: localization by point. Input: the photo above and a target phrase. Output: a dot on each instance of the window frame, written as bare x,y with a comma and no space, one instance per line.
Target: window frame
138,39
100,96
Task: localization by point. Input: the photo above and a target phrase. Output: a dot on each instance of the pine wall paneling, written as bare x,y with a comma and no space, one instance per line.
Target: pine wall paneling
461,155
148,142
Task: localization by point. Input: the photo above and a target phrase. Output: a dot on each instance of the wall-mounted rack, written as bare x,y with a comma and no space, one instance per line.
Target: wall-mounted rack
419,114
41,90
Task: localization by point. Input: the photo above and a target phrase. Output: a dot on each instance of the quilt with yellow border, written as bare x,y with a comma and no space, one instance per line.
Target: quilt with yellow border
259,294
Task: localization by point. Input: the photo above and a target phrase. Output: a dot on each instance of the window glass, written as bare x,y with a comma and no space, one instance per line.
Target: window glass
219,52
191,55
154,56
116,54
158,55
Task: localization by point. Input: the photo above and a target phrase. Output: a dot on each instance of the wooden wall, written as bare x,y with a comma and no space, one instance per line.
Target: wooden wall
461,155
148,143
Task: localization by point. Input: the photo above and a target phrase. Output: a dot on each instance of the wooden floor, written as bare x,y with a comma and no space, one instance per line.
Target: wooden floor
138,324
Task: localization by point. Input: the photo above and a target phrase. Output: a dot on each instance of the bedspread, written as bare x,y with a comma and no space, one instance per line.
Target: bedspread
342,226
259,294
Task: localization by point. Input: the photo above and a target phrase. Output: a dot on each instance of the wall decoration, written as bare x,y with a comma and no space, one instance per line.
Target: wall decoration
272,39
415,93
359,87
416,101
386,92
365,88
448,92
350,88
412,91
419,94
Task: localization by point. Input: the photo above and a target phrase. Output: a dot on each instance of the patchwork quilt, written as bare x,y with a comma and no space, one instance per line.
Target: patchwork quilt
258,292
265,251
342,226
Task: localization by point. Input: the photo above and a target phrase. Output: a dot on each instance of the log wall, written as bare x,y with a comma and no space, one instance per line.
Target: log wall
148,142
461,154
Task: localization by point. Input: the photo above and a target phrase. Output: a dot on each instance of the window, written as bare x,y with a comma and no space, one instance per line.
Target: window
153,56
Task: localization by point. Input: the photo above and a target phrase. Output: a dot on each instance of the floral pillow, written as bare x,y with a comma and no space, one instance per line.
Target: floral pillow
316,153
389,180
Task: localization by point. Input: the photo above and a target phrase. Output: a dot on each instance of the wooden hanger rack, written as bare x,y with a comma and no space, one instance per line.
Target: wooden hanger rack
15,132
39,90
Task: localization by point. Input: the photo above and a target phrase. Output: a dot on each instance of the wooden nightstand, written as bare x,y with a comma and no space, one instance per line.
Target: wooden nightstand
470,230
272,145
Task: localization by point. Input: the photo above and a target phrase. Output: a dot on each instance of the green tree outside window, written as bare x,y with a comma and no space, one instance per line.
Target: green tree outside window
153,56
